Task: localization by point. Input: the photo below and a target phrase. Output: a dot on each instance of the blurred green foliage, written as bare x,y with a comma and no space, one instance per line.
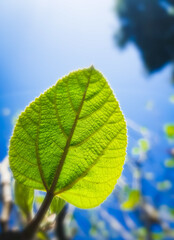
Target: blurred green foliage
24,197
169,130
133,200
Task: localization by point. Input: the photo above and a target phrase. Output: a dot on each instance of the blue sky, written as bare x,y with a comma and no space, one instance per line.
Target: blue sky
43,40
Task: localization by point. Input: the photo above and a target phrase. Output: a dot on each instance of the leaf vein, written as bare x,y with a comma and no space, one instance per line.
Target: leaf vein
97,93
60,166
34,180
91,135
26,131
18,154
99,108
88,169
69,97
37,151
58,117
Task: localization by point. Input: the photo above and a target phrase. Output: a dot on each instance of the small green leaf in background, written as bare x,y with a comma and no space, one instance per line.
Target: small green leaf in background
24,198
136,151
144,144
140,233
93,230
71,140
42,236
158,236
169,163
133,200
39,199
56,205
171,210
143,147
164,185
169,130
172,99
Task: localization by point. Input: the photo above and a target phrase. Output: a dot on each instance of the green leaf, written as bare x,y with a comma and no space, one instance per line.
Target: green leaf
24,198
169,130
172,211
136,151
57,204
133,200
143,147
42,236
39,199
140,233
144,144
158,236
71,140
164,185
169,163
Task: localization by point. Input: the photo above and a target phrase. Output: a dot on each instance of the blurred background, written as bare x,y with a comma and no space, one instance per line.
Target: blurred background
132,43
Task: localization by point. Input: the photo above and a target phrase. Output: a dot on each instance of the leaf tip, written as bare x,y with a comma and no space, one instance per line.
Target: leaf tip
92,67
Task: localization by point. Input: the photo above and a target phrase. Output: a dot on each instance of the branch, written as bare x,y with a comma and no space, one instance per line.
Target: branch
6,194
59,229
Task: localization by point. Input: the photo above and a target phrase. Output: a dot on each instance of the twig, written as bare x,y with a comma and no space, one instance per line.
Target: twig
6,194
59,229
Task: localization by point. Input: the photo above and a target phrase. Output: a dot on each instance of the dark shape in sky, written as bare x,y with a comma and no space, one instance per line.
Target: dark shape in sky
150,25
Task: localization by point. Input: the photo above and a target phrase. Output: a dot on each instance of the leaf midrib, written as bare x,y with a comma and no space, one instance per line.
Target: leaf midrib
60,166
37,151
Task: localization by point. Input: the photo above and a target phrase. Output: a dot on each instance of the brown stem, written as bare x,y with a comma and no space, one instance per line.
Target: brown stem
5,187
31,229
7,206
59,228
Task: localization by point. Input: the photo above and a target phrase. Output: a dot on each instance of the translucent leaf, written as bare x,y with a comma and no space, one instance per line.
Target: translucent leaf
39,199
24,198
56,205
133,200
71,140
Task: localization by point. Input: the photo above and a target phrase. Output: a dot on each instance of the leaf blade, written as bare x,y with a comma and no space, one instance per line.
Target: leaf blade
24,201
56,205
76,127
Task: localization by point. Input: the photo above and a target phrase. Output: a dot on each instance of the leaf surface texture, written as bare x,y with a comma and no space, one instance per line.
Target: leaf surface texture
71,140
